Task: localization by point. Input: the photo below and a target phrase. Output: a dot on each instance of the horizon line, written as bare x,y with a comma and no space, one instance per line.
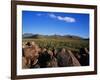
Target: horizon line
56,34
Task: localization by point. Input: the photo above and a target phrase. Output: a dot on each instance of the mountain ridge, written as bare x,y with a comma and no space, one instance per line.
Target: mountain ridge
55,36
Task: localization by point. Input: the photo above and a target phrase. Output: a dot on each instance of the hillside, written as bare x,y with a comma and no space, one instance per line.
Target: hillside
73,43
38,36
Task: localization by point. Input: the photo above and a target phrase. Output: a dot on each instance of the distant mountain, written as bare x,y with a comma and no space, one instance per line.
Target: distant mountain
37,36
73,36
26,35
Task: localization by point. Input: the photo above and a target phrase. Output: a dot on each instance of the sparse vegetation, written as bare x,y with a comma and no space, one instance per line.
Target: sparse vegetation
71,43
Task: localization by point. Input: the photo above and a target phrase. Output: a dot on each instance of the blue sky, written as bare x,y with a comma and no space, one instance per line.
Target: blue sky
50,23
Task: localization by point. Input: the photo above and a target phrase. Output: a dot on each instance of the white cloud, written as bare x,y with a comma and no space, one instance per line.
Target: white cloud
52,15
61,18
66,18
39,14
